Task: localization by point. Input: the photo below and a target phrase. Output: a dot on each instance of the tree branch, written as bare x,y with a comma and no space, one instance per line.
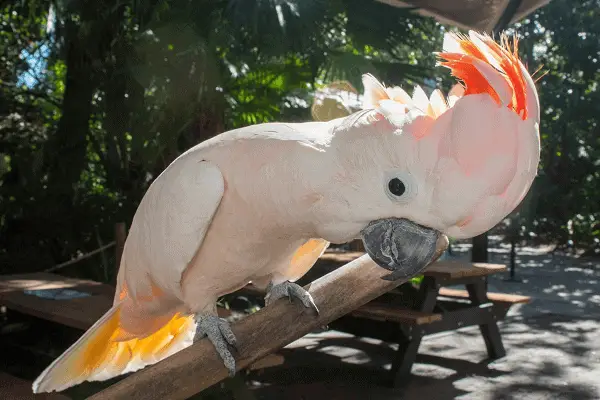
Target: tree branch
266,331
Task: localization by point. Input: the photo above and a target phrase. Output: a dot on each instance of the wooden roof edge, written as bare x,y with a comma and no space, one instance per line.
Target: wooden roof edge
523,10
428,13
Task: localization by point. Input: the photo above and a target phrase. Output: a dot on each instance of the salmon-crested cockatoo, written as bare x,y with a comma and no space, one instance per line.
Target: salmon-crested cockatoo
260,204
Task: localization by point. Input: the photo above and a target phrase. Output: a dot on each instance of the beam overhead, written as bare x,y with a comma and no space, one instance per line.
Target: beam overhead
479,15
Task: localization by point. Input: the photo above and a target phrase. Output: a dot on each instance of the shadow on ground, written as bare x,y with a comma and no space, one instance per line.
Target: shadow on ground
553,345
549,357
553,348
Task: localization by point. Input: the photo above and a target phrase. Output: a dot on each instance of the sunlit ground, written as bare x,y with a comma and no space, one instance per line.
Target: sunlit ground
553,346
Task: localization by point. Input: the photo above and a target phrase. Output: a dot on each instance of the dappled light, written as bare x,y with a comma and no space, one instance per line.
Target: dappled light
300,199
552,346
559,283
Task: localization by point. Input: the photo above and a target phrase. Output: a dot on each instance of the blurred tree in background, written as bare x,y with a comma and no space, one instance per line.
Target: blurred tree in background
99,96
563,38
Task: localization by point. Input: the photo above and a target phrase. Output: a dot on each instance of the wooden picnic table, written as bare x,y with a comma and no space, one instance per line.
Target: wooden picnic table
17,293
432,308
478,309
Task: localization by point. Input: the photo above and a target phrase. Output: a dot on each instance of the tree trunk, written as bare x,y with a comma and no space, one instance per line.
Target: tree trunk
66,151
117,120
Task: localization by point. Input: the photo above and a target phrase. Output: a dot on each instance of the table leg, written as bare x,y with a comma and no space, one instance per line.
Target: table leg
489,331
409,340
408,348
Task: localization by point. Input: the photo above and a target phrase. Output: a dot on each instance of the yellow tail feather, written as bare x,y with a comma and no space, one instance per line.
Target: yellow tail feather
99,354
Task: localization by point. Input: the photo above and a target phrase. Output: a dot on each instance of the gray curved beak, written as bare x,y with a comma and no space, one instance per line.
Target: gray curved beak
401,246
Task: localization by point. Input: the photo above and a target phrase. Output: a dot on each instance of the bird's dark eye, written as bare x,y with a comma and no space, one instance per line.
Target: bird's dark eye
396,187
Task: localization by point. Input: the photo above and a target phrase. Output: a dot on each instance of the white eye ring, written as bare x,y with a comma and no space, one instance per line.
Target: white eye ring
410,186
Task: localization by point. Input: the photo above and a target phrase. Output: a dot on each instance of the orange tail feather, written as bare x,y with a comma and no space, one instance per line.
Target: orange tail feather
100,354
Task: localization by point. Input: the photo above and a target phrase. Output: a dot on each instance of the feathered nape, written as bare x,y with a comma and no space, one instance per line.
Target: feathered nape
485,66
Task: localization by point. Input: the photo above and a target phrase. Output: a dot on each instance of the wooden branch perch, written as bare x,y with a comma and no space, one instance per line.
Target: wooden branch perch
266,331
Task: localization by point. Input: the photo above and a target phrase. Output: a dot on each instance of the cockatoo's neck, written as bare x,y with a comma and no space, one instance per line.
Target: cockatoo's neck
326,173
312,199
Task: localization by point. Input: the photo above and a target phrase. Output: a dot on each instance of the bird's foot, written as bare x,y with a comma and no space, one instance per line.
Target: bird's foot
290,290
220,334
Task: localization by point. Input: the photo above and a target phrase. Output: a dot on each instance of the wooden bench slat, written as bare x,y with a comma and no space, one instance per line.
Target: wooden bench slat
46,280
80,313
15,388
76,313
385,312
460,269
499,297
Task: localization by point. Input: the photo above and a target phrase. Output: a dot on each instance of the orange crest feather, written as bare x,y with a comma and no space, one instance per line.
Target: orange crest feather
507,63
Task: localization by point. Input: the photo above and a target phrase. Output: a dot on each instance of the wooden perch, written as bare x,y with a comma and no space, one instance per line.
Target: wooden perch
266,331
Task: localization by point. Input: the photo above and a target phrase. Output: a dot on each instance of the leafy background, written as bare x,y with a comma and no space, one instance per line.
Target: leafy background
99,96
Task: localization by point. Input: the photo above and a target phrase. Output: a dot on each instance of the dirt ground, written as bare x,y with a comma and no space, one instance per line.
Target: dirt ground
553,346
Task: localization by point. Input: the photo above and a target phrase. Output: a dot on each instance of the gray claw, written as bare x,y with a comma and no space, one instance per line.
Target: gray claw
220,334
289,290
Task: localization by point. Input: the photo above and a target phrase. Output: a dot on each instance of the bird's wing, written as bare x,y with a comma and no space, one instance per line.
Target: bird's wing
170,225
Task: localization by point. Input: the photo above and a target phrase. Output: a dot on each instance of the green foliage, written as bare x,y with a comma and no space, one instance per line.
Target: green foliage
128,85
122,87
562,38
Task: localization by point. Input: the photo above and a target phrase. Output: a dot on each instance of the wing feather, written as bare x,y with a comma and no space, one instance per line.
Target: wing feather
170,225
